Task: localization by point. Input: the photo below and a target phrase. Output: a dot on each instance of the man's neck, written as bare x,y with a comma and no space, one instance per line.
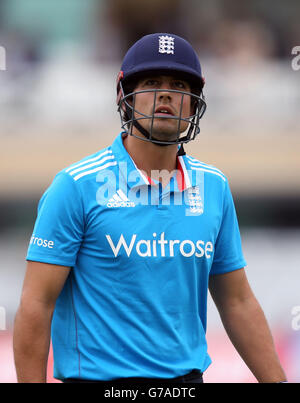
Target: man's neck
151,158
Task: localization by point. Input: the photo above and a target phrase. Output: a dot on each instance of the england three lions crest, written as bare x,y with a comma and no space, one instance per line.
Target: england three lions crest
194,201
166,44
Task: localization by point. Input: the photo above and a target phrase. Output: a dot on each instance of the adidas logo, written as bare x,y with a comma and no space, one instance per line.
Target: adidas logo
119,199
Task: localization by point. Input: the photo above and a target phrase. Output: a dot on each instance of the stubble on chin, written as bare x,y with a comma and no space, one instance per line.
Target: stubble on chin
166,132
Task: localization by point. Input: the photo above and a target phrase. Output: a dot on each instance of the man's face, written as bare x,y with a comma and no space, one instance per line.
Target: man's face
167,104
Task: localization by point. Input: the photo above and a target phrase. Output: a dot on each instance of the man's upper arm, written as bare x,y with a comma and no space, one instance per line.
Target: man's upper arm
228,255
43,283
230,288
59,228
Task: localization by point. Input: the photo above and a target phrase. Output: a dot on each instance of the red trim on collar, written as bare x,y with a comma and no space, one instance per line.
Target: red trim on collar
151,182
180,176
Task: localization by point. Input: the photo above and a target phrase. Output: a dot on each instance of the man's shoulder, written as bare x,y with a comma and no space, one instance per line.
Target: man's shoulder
90,165
211,171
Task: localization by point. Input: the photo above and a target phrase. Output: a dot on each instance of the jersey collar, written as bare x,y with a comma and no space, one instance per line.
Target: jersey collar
185,177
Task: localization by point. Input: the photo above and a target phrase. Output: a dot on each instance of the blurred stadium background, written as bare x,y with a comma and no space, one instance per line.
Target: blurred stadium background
57,104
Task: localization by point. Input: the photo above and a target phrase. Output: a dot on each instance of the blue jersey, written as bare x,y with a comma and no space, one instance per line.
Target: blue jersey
135,301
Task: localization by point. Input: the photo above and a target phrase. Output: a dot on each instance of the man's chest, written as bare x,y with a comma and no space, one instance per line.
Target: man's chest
170,226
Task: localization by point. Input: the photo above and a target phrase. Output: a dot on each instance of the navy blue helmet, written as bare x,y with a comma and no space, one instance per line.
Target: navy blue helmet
160,53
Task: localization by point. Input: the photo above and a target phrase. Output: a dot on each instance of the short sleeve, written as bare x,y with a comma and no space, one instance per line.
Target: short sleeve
59,227
228,254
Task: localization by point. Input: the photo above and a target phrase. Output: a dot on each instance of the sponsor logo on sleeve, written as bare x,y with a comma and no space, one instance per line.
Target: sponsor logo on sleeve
41,242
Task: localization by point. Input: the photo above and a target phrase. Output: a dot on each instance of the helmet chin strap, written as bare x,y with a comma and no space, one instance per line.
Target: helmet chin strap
129,110
137,125
147,135
181,151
